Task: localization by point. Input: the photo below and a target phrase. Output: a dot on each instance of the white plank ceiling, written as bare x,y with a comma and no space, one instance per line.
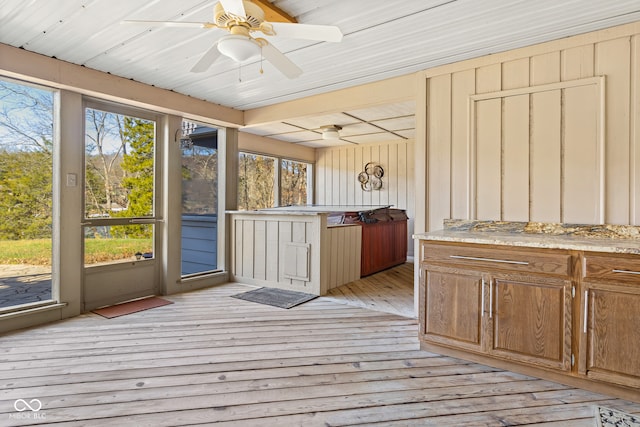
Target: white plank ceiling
383,39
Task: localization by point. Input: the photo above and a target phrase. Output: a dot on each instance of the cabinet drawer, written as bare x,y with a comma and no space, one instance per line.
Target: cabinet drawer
617,268
511,258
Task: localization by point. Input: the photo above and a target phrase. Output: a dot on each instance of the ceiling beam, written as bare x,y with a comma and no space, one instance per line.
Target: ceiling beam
389,91
273,13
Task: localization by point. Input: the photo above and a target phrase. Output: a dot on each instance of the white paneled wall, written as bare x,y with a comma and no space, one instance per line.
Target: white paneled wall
337,170
545,134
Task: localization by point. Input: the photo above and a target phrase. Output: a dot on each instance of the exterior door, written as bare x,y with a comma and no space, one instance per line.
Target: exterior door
120,226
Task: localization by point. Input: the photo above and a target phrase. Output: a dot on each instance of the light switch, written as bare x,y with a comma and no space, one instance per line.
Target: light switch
72,180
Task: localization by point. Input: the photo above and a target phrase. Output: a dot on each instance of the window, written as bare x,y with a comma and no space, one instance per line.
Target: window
26,196
256,181
293,183
200,200
258,177
119,185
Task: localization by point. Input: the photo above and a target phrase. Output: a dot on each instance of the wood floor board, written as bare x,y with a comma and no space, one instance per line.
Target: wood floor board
326,363
389,291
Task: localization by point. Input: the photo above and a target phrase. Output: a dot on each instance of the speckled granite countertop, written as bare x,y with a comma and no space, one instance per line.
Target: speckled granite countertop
597,238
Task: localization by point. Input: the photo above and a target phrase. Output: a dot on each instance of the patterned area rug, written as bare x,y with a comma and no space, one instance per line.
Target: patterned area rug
275,297
607,417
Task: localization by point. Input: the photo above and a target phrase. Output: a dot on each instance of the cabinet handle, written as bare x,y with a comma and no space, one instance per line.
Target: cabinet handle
490,298
482,300
503,261
625,271
586,310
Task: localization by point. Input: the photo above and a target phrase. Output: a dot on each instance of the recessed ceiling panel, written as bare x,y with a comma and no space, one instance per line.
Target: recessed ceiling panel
315,122
407,122
385,111
297,136
375,137
271,129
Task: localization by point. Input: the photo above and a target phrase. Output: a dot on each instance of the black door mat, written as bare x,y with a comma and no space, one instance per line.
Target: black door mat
276,297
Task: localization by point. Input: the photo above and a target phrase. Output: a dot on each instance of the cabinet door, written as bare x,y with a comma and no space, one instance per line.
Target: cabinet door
452,312
612,332
531,320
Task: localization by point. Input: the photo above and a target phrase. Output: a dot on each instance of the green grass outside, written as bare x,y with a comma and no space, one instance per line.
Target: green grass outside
38,252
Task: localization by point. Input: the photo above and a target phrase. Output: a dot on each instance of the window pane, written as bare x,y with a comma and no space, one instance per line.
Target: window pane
200,201
256,176
119,165
26,198
116,243
293,183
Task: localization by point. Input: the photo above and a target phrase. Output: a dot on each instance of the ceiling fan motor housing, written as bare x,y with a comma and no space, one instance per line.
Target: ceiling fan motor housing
254,16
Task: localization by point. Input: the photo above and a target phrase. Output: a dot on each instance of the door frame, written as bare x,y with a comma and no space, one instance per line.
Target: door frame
129,279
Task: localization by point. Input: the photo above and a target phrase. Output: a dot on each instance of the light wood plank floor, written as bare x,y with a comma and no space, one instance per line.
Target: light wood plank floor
209,358
389,291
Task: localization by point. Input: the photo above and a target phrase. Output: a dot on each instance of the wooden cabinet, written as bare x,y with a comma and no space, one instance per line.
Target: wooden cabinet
610,319
384,242
512,305
560,314
531,320
453,309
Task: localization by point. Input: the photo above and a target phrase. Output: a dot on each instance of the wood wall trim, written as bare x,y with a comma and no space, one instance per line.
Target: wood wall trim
249,142
28,66
389,91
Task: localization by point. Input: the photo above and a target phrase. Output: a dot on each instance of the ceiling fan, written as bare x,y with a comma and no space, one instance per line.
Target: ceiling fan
241,18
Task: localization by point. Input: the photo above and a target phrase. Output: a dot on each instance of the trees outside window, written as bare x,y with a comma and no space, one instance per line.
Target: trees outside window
258,179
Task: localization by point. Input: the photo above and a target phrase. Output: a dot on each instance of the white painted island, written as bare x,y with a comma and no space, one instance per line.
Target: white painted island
301,248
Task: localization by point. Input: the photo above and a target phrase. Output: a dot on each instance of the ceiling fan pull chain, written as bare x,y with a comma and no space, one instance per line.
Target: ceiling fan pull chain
239,72
261,59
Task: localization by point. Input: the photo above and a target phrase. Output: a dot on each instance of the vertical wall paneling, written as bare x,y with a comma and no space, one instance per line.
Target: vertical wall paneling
359,161
397,159
515,142
488,78
515,74
487,146
635,131
260,250
247,244
545,68
613,60
439,159
310,256
578,62
391,186
335,179
545,147
383,194
271,255
545,157
584,133
284,237
581,157
515,158
463,85
504,127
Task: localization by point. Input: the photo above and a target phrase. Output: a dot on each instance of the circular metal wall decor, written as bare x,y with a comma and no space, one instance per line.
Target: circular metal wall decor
371,177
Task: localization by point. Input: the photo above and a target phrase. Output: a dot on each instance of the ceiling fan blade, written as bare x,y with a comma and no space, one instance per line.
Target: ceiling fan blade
325,33
207,59
171,24
281,62
234,7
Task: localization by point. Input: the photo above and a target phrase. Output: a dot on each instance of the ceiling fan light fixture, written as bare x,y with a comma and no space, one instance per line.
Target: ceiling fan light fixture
331,132
240,48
